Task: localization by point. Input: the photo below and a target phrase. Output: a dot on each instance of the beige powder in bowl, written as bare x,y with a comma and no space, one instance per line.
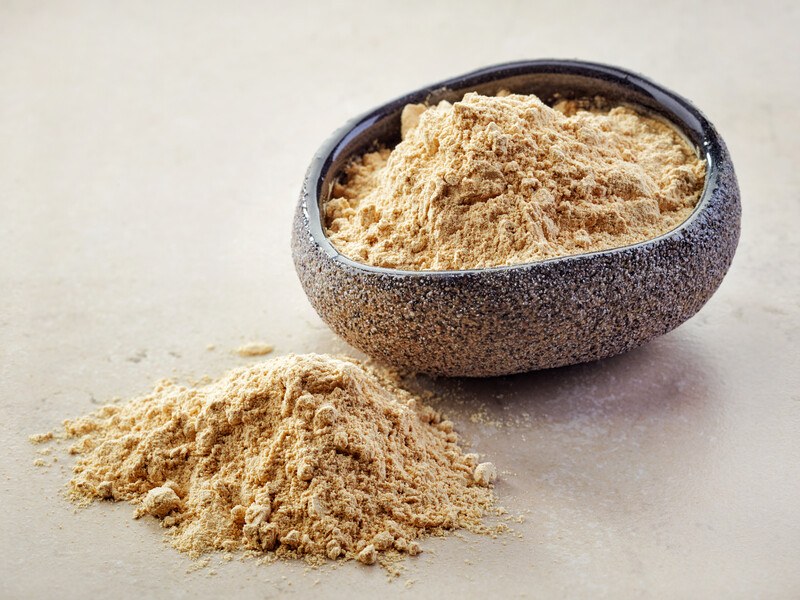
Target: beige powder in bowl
502,180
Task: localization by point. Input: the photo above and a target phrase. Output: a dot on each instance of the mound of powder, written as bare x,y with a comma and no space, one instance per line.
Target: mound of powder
492,181
303,455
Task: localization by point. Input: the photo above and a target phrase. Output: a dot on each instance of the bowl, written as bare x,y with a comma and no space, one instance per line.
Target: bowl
511,319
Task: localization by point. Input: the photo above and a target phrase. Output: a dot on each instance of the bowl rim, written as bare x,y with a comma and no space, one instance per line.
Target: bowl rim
675,106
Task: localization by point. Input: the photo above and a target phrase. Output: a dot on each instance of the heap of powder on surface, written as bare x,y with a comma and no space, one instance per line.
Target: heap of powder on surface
303,455
491,181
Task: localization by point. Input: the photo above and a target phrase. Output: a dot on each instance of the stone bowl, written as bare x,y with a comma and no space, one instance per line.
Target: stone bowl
503,320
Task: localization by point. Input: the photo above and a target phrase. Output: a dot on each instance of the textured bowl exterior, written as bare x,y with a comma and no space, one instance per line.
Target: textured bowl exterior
536,315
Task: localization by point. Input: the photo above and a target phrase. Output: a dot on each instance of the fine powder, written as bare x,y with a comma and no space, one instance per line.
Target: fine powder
501,180
254,349
305,455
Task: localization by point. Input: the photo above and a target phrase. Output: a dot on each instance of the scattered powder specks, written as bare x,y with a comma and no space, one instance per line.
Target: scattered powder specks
254,349
41,438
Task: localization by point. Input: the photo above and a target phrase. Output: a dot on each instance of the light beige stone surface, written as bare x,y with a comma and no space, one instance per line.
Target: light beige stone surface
150,161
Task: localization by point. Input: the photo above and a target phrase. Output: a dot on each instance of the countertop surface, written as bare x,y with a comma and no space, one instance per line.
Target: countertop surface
151,158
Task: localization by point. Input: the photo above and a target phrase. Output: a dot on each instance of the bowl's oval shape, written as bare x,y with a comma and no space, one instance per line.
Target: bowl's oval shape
504,320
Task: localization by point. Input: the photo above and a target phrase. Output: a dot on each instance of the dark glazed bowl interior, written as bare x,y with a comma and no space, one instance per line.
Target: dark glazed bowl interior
502,320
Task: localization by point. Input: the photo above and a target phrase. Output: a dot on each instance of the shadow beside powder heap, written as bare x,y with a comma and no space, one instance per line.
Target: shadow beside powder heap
628,430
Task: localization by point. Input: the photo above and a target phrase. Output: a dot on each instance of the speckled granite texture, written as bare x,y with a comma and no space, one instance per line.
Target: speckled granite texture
533,316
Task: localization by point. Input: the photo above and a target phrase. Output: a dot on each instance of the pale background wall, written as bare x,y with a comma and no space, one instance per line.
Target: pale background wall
150,157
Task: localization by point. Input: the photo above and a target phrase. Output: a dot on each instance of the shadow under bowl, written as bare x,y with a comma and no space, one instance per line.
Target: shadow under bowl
503,320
